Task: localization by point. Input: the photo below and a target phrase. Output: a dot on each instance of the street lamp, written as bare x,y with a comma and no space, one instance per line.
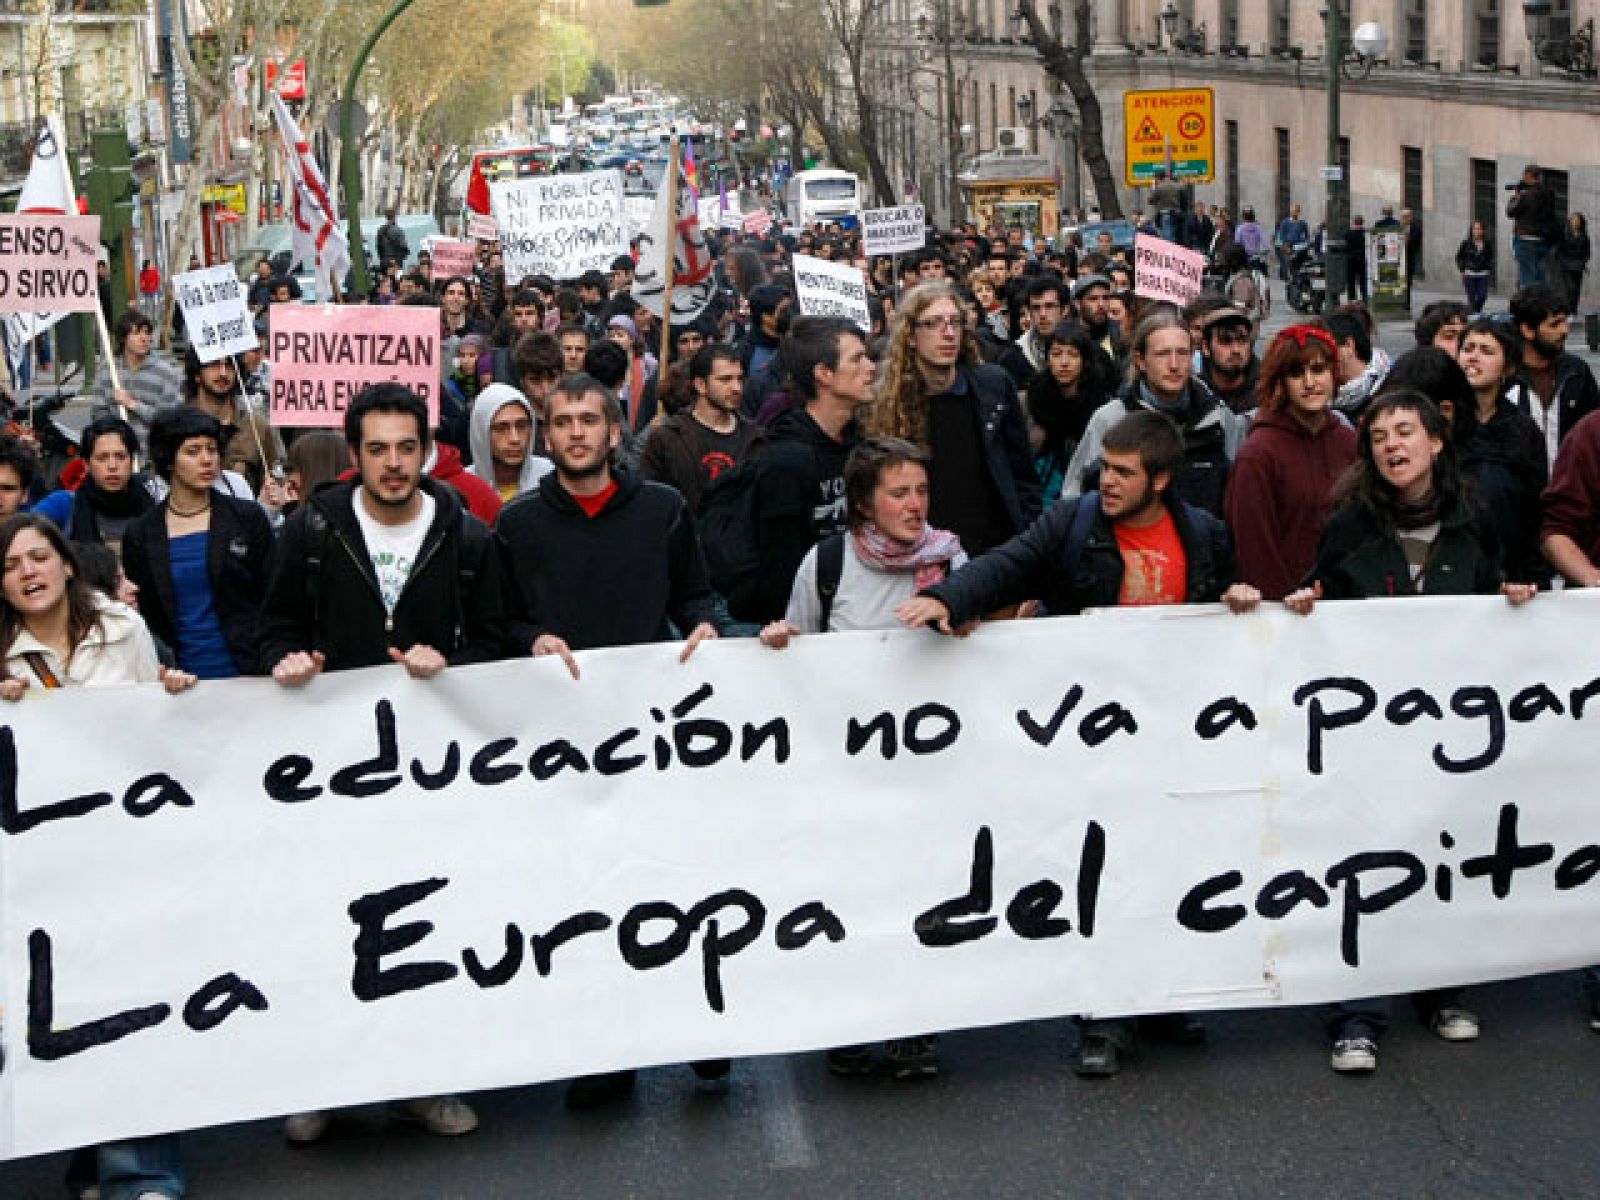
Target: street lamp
1573,53
1369,43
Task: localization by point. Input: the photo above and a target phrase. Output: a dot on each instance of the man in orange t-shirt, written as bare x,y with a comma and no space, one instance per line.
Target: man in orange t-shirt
1131,545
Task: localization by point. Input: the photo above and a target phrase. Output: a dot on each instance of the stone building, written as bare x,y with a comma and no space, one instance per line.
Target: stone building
1440,121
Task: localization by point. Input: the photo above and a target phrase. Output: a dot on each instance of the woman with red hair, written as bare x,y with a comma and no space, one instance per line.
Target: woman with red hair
1281,486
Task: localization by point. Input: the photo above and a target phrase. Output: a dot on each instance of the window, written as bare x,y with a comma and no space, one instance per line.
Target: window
1560,20
1483,33
1556,181
1411,188
1485,196
1281,27
1228,21
1284,196
1232,128
1413,24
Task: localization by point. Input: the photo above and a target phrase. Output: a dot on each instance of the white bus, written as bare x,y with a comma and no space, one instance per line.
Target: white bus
824,195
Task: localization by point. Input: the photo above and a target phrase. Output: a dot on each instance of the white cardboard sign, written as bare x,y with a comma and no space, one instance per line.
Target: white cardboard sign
830,289
215,312
560,225
894,230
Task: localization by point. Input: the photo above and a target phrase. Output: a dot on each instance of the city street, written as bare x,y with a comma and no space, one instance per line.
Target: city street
1255,1113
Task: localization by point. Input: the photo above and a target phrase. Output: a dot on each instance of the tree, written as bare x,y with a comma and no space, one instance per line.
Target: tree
1065,63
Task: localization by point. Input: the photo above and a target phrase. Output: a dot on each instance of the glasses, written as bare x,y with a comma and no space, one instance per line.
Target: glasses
942,324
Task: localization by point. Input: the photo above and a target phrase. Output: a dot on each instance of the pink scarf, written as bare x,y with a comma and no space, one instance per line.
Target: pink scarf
929,558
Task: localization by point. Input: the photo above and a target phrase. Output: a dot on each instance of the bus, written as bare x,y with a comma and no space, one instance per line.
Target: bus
824,194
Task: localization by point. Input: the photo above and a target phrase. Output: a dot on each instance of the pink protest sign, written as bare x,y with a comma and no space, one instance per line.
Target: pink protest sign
323,354
758,222
47,264
1165,270
454,258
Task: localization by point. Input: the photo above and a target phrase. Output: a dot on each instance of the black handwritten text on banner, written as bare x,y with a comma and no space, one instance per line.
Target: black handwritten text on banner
377,887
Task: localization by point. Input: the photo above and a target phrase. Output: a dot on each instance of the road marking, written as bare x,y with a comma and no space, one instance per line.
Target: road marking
783,1125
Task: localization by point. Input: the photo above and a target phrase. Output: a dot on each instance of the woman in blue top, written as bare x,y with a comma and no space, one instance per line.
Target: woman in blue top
200,560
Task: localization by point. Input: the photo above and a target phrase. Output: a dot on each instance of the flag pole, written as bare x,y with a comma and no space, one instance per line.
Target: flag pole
99,309
672,256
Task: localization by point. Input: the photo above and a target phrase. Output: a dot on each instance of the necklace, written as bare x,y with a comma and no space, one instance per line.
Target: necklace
194,512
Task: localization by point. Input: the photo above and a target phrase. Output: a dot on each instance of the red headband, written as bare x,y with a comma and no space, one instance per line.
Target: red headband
1302,332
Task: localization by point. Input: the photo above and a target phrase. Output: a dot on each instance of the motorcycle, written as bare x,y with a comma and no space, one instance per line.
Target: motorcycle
1308,282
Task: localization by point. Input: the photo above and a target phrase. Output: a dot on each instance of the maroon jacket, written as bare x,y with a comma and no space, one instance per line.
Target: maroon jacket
1279,495
1572,501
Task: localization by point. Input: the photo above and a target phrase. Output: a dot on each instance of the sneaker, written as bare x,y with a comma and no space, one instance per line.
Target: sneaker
850,1061
1097,1057
713,1075
1455,1024
1355,1054
591,1091
447,1116
301,1129
913,1057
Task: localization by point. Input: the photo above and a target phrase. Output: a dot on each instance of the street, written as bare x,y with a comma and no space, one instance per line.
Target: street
1255,1113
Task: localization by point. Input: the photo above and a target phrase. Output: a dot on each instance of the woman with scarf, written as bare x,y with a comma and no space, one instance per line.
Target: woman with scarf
112,493
857,580
1404,525
1060,401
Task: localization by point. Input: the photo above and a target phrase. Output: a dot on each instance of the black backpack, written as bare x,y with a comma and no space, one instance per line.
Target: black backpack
729,526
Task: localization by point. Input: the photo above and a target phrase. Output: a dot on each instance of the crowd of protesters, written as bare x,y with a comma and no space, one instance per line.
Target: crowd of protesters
1017,435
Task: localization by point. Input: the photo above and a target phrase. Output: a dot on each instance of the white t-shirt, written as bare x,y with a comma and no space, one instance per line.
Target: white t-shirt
393,548
866,599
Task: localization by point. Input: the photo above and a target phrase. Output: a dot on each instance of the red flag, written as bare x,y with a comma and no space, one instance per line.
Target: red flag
478,190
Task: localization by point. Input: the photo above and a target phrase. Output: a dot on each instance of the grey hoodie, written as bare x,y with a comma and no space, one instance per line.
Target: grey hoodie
484,409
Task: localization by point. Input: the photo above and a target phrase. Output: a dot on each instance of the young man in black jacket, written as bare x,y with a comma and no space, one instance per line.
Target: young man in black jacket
1132,547
387,567
602,559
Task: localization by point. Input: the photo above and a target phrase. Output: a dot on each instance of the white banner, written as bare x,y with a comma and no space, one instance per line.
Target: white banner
560,225
894,230
830,289
215,312
274,901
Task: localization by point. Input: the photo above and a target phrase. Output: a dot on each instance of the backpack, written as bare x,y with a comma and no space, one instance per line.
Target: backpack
830,569
730,534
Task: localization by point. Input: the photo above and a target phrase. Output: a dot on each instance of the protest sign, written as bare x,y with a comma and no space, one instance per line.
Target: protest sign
637,209
830,289
378,887
215,312
1164,270
560,225
322,355
894,230
732,219
47,264
710,210
482,228
452,258
758,221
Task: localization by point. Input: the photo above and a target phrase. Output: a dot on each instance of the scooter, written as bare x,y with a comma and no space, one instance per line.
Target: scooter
1308,283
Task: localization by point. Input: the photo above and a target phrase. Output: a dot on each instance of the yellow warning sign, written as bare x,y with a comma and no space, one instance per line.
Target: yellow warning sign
1169,129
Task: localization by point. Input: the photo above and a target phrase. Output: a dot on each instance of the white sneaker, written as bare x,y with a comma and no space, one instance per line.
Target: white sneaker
1354,1054
1456,1024
448,1116
304,1128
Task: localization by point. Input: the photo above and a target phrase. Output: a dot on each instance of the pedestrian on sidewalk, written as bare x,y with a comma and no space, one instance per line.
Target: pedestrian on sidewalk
1475,261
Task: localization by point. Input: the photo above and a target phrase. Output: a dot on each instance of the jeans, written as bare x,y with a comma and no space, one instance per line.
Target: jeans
1369,1017
128,1169
1532,255
1477,291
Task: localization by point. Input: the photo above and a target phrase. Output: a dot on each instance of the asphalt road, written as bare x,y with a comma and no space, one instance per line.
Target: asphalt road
1254,1113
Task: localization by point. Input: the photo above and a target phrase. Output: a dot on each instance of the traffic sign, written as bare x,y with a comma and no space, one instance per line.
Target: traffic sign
1170,128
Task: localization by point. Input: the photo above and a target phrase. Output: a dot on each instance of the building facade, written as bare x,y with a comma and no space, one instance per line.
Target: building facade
1441,121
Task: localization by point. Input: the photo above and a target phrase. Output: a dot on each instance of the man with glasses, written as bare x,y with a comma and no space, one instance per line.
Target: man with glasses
1230,367
1047,305
935,393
